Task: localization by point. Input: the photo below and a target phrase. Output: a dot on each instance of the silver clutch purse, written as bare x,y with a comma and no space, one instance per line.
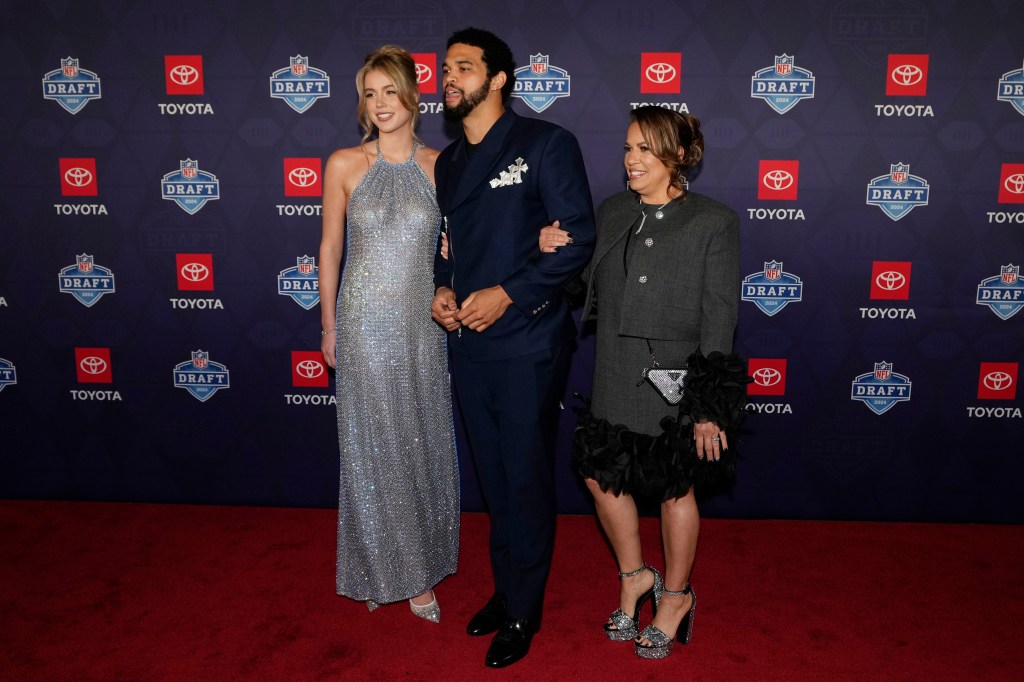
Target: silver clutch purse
668,382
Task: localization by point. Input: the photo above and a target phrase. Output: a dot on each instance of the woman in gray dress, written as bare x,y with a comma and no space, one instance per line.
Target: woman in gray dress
398,502
664,286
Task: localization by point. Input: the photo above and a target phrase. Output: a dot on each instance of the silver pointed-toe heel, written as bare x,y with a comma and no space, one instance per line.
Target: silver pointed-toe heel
371,605
431,611
622,626
661,644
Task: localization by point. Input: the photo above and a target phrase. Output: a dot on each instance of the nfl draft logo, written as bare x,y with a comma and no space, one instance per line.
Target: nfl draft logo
899,192
300,282
85,280
70,86
782,86
300,85
8,374
1004,293
881,389
1011,89
540,84
190,187
201,376
772,289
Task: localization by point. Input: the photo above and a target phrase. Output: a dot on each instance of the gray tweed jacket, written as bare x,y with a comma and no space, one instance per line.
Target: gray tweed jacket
684,282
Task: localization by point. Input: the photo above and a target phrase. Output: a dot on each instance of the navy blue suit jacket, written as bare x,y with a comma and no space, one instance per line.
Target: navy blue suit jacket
525,174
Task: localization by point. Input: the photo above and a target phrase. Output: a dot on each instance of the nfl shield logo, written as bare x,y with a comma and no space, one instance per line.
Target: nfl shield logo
539,64
300,65
305,264
898,172
69,66
84,263
200,359
1009,273
189,168
772,270
883,370
784,65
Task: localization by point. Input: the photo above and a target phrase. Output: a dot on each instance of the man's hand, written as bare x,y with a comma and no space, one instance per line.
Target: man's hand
444,309
482,308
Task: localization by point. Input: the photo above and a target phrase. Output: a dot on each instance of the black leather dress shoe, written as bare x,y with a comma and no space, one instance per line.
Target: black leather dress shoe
490,617
510,644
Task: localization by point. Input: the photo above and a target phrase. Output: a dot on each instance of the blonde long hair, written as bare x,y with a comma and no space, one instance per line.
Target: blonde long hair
400,67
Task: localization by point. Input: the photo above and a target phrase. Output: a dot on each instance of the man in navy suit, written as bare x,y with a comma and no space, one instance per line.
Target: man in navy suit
510,328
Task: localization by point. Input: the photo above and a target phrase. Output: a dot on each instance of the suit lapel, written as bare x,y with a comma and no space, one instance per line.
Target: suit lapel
484,159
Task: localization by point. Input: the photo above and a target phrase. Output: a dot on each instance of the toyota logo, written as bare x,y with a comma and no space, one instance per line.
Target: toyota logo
302,177
1014,183
907,74
423,73
184,74
309,369
777,180
660,72
77,177
890,280
767,376
195,272
997,381
93,365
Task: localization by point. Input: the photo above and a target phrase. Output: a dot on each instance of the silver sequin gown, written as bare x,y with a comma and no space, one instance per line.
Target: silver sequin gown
398,505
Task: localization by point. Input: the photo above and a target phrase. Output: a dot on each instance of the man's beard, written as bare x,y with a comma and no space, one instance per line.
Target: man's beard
468,103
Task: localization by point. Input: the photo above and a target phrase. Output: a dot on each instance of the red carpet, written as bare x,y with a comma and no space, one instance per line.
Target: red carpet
94,591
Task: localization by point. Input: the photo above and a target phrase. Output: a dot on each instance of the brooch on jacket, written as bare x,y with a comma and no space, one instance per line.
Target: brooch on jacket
513,176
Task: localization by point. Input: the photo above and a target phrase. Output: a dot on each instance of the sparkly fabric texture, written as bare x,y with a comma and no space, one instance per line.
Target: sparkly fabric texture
398,502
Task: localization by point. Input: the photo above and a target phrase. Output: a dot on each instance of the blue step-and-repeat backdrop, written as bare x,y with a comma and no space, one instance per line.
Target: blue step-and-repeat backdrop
161,169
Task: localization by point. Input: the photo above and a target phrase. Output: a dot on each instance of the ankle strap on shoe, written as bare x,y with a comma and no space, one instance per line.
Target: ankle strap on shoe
633,573
681,593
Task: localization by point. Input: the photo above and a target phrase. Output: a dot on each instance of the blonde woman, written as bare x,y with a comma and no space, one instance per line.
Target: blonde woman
398,506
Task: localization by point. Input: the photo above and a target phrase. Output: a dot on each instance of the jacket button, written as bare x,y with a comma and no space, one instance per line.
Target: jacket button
649,242
643,279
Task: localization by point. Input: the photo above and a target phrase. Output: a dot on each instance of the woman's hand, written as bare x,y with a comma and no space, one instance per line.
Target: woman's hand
710,440
444,246
552,236
327,342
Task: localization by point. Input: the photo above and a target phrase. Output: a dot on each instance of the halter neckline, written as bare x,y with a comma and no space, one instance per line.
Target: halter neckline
416,146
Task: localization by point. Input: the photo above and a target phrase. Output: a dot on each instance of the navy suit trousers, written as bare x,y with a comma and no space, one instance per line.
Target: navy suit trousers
510,410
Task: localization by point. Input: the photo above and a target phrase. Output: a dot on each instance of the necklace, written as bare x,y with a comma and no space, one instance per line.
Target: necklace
658,213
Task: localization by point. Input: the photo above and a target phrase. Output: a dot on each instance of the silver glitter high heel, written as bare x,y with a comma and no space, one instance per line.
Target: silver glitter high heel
431,611
661,644
622,626
371,605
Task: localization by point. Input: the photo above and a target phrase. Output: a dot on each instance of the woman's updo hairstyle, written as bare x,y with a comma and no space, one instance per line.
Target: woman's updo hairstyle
666,132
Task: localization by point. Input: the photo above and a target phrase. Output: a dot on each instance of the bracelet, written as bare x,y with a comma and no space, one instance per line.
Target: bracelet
325,333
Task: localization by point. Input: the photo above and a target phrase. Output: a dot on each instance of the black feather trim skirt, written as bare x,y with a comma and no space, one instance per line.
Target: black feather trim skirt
666,465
